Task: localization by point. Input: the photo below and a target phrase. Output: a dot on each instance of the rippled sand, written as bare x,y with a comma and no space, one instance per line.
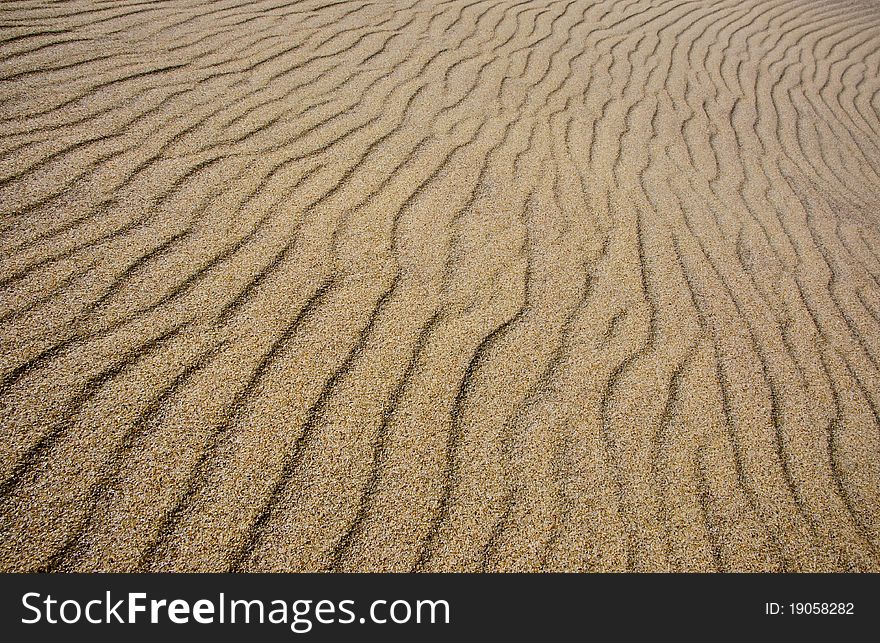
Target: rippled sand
426,285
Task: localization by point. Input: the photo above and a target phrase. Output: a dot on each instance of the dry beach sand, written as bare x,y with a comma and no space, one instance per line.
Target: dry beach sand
440,285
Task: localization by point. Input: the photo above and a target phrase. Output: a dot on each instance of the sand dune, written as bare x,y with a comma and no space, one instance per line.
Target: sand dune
440,285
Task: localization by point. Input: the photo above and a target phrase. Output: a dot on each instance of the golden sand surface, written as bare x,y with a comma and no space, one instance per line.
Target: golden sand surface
440,285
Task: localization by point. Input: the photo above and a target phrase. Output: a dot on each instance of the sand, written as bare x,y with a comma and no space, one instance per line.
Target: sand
480,285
